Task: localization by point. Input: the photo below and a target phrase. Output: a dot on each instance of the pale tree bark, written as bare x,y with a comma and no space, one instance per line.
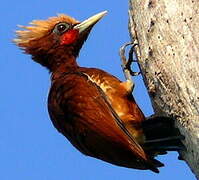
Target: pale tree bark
167,32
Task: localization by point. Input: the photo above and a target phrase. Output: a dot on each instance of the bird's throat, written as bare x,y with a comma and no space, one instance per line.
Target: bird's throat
62,59
66,66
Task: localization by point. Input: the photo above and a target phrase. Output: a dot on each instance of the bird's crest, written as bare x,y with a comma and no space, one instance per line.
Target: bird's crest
39,29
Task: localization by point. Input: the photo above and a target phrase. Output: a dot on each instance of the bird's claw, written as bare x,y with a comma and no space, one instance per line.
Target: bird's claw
126,64
131,60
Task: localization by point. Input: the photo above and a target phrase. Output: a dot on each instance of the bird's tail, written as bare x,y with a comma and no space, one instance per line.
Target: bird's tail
161,136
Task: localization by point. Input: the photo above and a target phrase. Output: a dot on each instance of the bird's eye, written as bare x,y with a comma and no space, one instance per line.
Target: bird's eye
61,28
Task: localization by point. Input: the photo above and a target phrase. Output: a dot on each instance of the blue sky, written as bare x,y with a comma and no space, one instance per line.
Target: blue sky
30,147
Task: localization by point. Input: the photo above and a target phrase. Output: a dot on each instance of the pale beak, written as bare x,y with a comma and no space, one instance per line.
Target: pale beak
88,23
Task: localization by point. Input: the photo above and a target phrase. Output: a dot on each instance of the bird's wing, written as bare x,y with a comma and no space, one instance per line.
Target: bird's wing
115,115
81,96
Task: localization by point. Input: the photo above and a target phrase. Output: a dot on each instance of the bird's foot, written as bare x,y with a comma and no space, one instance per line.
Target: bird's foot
126,64
132,59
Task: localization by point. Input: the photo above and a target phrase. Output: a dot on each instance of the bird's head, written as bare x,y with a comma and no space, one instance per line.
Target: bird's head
51,41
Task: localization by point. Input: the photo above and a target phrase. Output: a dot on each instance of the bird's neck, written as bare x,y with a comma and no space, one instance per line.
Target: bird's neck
62,60
56,59
63,64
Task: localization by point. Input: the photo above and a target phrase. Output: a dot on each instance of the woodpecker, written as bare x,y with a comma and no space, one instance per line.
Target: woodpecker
93,109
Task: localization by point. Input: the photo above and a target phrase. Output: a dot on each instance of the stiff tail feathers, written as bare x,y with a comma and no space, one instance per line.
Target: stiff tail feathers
161,136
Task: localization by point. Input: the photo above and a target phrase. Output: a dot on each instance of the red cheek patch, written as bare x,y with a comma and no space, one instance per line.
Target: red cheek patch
69,37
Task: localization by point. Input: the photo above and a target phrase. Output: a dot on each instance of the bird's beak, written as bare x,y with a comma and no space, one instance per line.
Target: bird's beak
90,22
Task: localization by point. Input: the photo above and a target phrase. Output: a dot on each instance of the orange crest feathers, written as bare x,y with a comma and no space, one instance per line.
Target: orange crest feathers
39,29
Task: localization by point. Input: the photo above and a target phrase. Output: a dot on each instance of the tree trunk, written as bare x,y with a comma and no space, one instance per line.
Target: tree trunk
168,54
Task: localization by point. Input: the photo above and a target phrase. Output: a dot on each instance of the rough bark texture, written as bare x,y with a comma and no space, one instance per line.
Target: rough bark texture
168,53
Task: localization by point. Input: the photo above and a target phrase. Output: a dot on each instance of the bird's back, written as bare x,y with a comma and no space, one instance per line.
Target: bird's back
89,107
121,99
